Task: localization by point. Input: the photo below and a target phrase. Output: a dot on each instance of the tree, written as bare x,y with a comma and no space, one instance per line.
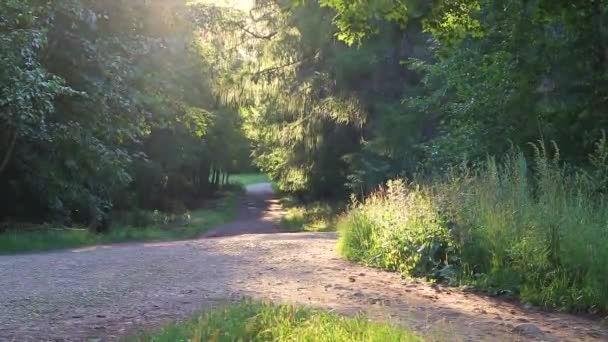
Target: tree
87,86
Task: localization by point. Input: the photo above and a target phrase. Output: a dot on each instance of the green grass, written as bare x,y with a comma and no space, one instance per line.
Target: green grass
249,179
310,217
398,229
253,321
533,231
157,227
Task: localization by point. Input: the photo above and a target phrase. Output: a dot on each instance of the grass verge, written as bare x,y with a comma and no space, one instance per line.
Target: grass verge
253,321
158,227
249,179
310,217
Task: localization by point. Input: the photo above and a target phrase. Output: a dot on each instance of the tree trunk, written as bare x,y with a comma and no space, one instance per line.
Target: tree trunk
601,49
216,178
9,152
599,34
204,174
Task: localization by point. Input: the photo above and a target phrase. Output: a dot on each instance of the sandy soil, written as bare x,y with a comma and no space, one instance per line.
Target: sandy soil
107,292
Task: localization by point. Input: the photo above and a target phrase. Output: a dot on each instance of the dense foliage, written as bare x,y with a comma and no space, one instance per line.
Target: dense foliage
341,96
108,105
400,229
538,234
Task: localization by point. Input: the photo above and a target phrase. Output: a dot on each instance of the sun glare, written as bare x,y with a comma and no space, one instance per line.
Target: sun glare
240,4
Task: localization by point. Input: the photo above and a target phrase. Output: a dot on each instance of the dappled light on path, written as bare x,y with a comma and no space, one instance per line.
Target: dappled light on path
259,213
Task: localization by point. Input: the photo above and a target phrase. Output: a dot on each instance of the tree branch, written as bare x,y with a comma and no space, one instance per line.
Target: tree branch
256,35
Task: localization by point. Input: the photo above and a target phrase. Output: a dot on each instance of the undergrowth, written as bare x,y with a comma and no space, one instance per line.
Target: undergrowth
537,231
135,226
253,321
249,178
309,217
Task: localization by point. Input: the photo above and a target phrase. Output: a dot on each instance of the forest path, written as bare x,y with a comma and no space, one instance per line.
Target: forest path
106,292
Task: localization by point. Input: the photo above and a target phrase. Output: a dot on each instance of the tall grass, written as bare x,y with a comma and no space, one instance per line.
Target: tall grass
308,217
253,321
538,231
397,229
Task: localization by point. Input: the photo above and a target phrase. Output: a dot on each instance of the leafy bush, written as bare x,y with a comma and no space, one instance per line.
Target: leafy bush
399,229
538,232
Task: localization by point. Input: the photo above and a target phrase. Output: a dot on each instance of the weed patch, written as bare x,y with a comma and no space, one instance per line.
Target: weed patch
310,217
252,321
538,232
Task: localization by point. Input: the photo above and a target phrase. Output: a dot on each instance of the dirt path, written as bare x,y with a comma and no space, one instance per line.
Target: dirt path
104,293
259,213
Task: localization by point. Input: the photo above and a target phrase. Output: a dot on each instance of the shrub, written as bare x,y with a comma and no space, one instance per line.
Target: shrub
399,229
539,232
311,217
